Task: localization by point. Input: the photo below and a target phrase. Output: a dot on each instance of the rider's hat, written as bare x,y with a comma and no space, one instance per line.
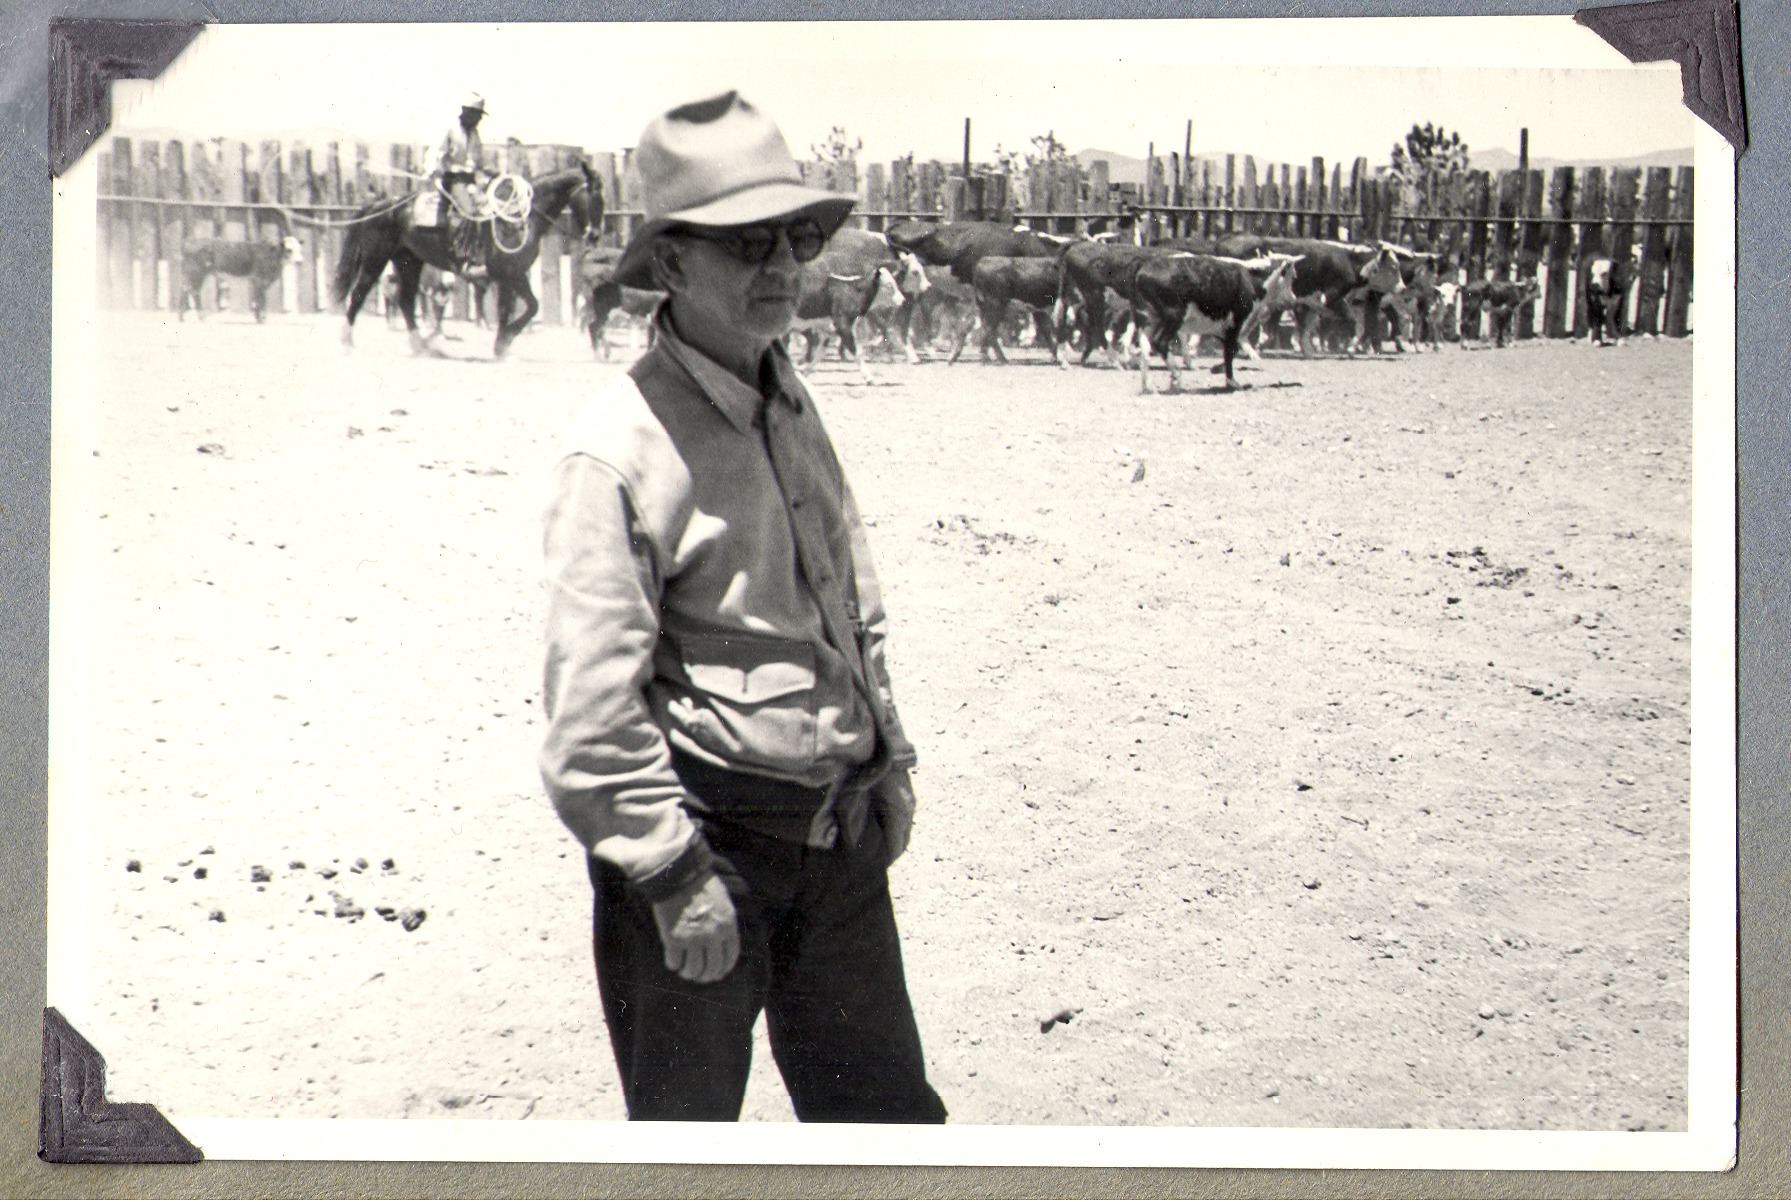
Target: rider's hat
473,101
717,162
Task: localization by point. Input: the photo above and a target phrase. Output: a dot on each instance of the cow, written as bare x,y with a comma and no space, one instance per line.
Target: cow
891,315
945,309
1606,289
1498,299
961,245
610,298
1001,280
594,283
260,263
1382,290
1086,270
1327,272
841,283
1427,299
434,287
1183,296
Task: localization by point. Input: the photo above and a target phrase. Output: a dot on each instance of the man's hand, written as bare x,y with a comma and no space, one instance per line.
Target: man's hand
699,931
894,798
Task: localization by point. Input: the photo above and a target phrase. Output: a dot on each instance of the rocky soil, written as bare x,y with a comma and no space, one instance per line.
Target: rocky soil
1316,754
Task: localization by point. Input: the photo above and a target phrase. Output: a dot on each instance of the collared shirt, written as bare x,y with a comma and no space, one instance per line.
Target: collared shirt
710,589
460,152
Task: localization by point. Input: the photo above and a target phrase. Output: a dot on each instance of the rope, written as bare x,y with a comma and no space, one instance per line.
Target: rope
509,199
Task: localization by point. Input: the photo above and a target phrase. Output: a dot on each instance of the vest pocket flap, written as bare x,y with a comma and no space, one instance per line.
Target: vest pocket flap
749,670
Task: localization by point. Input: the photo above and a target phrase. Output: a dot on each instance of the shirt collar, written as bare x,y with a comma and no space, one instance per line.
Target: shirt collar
739,402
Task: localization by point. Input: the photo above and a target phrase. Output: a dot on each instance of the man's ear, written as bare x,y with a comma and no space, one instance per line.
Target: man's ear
668,266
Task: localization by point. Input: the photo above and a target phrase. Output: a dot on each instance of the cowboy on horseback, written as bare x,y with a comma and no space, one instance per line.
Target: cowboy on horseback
456,170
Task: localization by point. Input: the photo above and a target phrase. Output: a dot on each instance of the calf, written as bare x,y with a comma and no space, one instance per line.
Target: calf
1001,280
1606,289
1498,300
1183,296
1381,292
434,287
945,309
891,314
260,263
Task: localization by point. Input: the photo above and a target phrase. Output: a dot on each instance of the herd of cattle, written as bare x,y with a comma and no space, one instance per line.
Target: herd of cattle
921,284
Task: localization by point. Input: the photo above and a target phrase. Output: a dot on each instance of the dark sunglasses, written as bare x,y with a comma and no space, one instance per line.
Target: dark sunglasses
756,244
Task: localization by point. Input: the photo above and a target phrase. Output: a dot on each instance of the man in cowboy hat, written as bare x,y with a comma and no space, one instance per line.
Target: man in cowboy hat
457,168
722,737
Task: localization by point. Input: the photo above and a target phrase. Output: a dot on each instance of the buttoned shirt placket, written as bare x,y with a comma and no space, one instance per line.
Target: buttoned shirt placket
814,501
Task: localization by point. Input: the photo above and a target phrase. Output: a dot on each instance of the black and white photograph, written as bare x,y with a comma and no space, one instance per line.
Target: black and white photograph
1054,592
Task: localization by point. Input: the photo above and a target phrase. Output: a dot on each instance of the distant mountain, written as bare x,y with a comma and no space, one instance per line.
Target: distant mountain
1121,168
1500,159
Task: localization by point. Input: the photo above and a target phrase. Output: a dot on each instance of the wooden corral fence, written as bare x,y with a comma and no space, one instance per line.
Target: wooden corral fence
1518,224
156,195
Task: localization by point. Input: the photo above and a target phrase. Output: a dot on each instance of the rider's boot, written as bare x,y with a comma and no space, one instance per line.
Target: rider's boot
468,250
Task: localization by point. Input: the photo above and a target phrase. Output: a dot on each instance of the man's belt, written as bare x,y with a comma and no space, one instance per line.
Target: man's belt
780,808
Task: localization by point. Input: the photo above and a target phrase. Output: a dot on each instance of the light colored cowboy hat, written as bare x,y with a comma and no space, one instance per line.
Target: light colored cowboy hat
717,162
473,101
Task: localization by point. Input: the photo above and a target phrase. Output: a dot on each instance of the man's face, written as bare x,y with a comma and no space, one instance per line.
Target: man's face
727,294
471,117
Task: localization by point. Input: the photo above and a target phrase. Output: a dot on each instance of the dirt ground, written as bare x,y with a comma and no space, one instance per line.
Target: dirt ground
1321,750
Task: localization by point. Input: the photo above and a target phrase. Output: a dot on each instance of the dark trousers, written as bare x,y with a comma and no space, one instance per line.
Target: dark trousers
819,955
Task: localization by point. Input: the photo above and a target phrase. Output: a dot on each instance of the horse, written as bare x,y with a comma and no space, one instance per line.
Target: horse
384,232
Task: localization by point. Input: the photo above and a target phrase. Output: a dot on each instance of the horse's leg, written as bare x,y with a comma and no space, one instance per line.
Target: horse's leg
366,277
507,329
410,273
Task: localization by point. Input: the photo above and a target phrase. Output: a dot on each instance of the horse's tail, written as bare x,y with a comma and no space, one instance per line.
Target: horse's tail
350,261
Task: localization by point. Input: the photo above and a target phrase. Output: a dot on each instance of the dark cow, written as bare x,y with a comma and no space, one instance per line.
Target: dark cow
999,281
1327,272
961,245
1086,270
1184,296
260,263
1498,300
594,282
1606,290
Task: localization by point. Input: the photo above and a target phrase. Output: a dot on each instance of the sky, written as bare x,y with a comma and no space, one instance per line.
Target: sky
1281,90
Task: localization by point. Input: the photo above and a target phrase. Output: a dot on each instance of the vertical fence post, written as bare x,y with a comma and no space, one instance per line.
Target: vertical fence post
1679,265
1652,285
1312,225
1589,208
1560,252
1510,205
149,272
299,193
1478,205
1246,197
1231,192
876,197
1624,183
174,218
1453,236
1531,243
122,259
